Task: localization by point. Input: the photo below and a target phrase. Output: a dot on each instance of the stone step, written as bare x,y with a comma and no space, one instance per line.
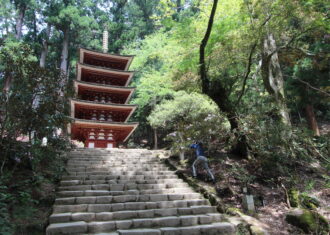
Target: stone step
110,151
80,193
111,164
128,206
67,228
134,223
121,187
80,182
117,168
126,198
120,215
119,177
126,192
109,158
222,228
114,158
162,226
129,173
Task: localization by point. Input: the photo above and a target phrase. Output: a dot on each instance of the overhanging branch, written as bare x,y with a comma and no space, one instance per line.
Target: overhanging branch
203,72
247,73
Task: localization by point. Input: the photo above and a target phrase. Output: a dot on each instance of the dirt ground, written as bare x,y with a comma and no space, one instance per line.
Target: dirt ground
270,199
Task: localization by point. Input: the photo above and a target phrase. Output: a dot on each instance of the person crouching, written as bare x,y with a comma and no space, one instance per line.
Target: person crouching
200,159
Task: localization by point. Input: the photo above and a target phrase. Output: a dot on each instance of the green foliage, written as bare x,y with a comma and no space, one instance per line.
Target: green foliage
32,104
189,117
26,169
5,197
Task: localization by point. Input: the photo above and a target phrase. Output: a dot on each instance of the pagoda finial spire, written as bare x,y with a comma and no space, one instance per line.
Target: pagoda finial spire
105,41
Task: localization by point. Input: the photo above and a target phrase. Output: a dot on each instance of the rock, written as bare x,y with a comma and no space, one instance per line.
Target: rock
309,221
247,227
243,229
256,230
308,201
233,211
294,197
224,191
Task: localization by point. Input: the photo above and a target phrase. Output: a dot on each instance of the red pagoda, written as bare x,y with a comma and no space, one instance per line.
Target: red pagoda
100,109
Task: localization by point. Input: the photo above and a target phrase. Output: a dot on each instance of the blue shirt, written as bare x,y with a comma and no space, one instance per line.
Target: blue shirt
199,149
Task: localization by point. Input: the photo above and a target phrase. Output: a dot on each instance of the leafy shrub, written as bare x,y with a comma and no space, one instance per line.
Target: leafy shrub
188,118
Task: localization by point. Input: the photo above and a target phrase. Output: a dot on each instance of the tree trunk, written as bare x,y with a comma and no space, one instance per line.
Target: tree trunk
178,6
217,93
18,35
219,96
65,51
272,76
8,80
19,21
181,150
312,123
155,139
203,72
35,30
44,51
6,25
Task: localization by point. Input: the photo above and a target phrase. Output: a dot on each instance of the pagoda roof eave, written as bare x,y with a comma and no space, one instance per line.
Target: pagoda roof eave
105,68
95,124
87,102
104,85
97,104
112,54
105,123
79,66
129,58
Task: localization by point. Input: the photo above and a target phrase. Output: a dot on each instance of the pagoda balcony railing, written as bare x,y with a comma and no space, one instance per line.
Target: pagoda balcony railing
101,79
102,115
105,98
104,64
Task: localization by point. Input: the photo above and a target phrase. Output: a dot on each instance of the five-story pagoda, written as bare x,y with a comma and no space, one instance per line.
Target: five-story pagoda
99,110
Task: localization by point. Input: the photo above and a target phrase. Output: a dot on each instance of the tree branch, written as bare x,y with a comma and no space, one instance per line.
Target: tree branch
312,87
286,45
203,72
247,73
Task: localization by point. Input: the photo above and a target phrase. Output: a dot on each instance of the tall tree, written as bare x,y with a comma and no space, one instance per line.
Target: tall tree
216,90
70,18
21,6
45,42
272,75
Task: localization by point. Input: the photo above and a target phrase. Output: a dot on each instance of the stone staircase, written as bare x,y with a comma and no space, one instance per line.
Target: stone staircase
129,192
